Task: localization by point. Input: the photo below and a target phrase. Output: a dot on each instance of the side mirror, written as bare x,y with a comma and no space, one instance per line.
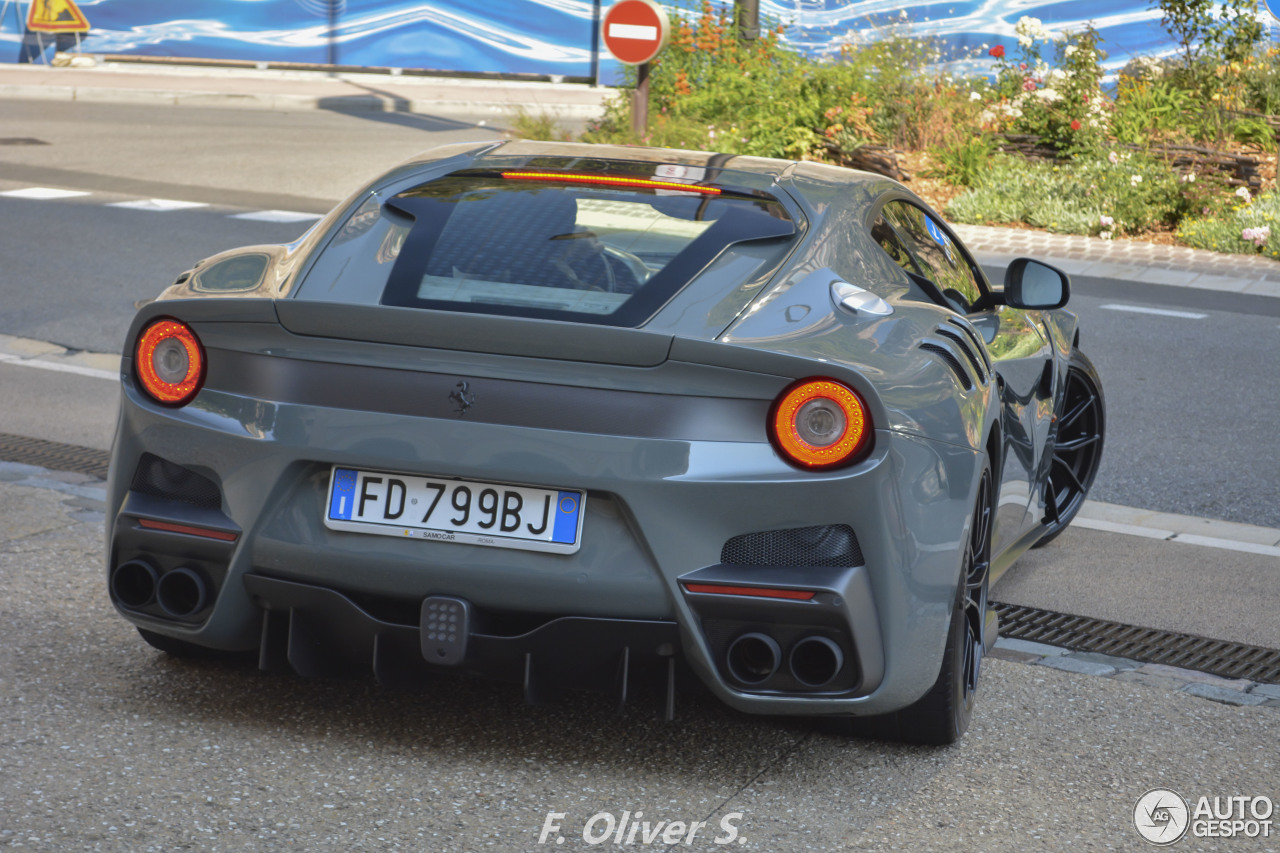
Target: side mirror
1035,285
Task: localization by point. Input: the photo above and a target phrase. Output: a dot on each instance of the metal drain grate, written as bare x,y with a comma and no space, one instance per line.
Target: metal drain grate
51,454
1083,634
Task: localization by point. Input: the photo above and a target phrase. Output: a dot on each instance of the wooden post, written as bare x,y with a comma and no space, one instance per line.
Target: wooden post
640,102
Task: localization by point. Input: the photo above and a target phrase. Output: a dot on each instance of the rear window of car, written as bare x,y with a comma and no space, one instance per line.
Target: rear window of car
600,249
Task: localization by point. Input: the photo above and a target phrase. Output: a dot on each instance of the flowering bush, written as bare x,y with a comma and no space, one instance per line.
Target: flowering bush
1064,105
1245,228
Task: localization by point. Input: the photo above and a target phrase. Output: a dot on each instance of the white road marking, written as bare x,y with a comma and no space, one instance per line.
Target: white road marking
43,193
158,204
1172,536
633,31
1126,529
277,216
1160,312
94,372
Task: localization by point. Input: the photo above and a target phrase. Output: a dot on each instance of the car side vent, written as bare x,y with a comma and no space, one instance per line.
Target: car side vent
952,362
160,478
826,545
978,346
964,345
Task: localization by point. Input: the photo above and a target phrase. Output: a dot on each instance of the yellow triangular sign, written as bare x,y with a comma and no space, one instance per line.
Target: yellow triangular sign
56,16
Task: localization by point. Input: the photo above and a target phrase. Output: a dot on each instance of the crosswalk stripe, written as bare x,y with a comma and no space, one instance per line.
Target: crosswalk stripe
42,193
277,216
159,205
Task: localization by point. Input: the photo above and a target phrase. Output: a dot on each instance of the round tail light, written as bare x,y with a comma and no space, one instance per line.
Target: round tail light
170,362
820,423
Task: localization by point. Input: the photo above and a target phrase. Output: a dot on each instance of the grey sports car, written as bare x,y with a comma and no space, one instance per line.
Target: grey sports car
581,416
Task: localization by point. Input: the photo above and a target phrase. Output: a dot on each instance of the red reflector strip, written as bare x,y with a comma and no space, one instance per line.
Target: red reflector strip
610,181
221,535
753,591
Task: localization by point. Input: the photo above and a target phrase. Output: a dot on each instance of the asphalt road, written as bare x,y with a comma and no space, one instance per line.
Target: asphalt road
108,745
1191,399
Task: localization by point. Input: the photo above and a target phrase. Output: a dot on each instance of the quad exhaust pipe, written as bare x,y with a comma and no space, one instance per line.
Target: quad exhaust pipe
754,658
134,583
815,661
180,593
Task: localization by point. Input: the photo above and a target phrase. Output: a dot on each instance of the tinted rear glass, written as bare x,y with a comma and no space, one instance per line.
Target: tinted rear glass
487,244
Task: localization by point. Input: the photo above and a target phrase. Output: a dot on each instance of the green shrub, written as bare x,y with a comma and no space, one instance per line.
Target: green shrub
964,163
541,125
1150,109
1081,196
1247,228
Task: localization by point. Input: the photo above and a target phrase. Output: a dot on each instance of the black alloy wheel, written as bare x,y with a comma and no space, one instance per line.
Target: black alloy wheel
1077,452
943,714
977,562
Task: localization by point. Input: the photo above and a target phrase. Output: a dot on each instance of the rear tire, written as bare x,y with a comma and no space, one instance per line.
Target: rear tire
1077,451
943,714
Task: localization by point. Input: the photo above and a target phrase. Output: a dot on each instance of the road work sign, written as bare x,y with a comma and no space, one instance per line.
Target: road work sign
56,16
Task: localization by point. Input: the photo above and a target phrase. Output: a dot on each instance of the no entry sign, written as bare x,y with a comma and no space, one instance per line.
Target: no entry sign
635,30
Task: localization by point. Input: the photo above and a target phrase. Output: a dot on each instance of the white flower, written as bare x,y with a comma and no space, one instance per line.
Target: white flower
1134,180
1189,178
1049,95
1243,195
1106,235
1113,158
1069,49
1031,30
1106,221
975,96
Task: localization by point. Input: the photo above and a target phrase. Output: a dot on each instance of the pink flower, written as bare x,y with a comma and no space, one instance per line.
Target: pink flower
1022,66
1028,85
1113,157
1258,236
997,51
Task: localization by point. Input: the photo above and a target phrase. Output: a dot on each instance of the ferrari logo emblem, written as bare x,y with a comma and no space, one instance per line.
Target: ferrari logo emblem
463,397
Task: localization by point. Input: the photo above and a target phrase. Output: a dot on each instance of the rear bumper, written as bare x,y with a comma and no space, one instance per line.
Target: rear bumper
658,512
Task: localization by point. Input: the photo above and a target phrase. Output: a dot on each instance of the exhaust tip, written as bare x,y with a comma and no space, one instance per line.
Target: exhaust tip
815,661
133,584
754,658
181,593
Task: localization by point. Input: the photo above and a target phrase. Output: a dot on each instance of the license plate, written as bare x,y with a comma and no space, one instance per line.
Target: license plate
447,510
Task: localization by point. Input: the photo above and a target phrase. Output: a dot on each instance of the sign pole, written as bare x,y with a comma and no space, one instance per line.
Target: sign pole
640,102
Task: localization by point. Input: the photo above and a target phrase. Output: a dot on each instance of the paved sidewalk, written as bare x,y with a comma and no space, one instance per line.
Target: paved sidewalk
1126,260
245,88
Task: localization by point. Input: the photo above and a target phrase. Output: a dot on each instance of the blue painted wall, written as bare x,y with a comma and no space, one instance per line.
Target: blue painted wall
542,36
